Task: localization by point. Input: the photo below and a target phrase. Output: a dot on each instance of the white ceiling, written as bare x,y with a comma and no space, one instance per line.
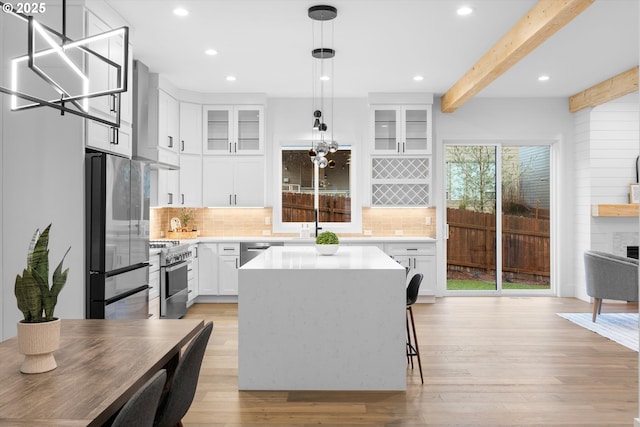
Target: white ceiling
380,45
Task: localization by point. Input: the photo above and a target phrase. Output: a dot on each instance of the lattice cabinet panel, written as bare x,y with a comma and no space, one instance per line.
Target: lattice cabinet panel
400,181
400,194
400,168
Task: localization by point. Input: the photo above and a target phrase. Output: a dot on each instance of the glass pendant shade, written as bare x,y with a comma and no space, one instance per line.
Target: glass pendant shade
333,146
323,162
322,149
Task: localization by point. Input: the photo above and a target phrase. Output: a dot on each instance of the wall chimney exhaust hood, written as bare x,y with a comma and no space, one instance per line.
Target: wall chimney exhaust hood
145,121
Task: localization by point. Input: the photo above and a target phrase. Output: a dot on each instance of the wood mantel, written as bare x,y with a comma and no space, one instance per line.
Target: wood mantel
628,210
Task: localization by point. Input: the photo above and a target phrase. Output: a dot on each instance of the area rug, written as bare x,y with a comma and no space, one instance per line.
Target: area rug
619,327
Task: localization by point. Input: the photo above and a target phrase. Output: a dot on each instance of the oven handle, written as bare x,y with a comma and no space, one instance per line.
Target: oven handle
174,267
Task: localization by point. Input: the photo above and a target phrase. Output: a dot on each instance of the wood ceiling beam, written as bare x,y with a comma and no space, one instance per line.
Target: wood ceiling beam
540,23
608,90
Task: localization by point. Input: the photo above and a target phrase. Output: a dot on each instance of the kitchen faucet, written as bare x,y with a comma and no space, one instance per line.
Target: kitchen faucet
315,214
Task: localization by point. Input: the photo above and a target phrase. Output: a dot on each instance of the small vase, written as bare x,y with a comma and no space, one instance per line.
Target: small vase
38,341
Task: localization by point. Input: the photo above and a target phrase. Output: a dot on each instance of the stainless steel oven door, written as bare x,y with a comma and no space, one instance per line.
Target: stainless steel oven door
173,290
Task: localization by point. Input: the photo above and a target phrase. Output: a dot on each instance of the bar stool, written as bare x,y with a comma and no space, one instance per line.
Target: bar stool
412,344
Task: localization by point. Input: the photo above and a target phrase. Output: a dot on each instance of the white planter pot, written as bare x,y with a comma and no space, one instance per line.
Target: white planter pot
327,249
38,341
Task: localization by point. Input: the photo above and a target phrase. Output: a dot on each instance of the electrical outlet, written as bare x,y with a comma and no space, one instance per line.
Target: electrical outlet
266,232
399,233
427,220
267,220
368,233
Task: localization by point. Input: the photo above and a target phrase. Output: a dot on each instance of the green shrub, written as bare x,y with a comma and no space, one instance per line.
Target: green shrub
327,238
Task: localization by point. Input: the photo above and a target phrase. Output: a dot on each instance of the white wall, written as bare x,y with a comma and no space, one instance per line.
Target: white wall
42,182
4,292
514,119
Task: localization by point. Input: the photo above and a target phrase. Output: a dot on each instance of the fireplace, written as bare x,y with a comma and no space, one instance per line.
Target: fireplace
632,252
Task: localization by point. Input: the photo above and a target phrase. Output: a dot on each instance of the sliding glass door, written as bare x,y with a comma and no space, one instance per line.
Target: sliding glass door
497,215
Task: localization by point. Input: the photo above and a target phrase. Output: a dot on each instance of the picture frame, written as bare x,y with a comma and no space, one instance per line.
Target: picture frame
634,193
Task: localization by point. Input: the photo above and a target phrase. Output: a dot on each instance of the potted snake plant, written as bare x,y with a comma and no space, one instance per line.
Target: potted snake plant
39,331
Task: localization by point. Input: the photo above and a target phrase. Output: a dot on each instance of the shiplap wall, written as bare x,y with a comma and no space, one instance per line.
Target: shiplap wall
613,134
613,138
606,147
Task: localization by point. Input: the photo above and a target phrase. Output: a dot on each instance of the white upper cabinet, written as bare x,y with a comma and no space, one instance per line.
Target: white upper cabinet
165,188
232,130
108,138
237,182
399,129
102,78
190,128
190,180
168,122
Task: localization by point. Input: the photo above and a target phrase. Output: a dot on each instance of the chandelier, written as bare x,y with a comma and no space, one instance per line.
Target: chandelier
322,77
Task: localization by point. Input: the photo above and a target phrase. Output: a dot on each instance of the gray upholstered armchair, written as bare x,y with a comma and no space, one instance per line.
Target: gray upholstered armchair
610,276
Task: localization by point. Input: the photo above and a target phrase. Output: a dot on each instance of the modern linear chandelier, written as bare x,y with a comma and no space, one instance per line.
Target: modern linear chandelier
58,63
322,77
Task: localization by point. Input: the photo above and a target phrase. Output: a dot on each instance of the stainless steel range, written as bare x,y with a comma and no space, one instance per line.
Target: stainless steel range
174,258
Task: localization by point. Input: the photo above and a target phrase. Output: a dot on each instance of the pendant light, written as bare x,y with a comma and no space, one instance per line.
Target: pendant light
322,77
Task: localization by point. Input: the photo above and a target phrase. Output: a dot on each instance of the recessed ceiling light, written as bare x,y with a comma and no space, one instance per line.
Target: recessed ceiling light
179,11
418,78
211,52
543,78
231,78
464,11
325,78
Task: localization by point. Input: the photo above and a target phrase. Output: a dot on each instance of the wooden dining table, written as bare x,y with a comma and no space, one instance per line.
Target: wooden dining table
101,364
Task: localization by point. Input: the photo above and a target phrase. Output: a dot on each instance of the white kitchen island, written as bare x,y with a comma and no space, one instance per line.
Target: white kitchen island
313,322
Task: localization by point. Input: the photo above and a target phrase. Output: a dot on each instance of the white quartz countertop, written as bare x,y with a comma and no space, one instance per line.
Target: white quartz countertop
306,258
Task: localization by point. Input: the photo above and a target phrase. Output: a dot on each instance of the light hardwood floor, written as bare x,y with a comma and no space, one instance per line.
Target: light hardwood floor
487,362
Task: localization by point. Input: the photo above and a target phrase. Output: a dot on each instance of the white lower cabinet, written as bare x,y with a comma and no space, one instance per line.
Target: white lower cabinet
192,276
228,269
218,268
420,258
154,286
228,264
208,269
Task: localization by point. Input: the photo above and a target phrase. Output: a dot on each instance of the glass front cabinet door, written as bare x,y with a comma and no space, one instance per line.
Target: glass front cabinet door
233,129
401,129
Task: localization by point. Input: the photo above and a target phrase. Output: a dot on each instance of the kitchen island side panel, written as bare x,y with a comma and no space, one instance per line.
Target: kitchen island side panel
322,329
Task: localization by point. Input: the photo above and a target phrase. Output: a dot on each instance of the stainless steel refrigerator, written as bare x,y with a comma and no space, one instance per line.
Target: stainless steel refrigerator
117,233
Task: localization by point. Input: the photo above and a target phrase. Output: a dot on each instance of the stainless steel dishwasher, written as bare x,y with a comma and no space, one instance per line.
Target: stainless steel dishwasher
250,250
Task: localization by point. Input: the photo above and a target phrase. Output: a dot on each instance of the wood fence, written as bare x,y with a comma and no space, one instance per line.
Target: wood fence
472,243
298,207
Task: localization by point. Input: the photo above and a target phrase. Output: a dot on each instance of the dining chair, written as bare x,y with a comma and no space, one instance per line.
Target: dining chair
142,406
412,344
177,398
